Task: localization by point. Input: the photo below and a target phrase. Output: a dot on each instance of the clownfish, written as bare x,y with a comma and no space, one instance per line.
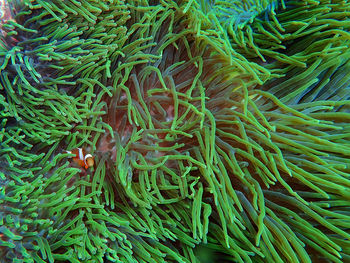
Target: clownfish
82,159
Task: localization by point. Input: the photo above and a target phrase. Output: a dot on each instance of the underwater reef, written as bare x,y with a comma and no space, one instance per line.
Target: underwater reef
220,131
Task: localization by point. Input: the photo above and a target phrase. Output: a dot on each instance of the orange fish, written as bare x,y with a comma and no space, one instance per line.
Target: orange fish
81,158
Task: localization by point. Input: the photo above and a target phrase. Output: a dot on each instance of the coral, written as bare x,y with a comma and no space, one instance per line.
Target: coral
219,129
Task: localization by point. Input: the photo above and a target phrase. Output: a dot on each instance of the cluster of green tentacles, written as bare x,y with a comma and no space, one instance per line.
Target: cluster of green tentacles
220,131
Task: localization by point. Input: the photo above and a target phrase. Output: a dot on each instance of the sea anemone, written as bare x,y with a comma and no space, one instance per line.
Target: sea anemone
211,143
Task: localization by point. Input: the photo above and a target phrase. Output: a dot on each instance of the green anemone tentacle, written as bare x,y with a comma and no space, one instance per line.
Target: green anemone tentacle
219,131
